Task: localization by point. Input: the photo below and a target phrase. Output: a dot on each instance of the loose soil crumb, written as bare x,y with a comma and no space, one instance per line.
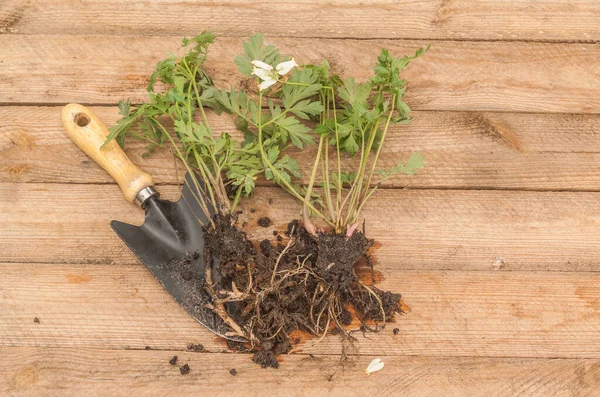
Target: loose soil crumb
173,361
265,221
396,331
265,358
252,210
233,371
184,369
236,346
147,348
36,320
195,347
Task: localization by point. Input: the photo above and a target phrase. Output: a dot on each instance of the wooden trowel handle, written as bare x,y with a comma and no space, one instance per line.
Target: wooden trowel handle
89,133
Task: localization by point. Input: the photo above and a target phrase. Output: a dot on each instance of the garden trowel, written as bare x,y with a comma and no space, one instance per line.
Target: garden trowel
170,243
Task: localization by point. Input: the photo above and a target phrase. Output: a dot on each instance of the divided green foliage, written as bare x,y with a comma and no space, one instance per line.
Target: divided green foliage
301,106
355,121
278,121
169,120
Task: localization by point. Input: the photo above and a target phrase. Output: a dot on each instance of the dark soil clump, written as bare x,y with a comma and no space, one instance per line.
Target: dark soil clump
305,283
184,369
36,320
233,372
195,347
173,360
265,359
265,221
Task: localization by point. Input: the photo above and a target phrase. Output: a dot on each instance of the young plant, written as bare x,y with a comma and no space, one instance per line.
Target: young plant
288,97
359,127
227,169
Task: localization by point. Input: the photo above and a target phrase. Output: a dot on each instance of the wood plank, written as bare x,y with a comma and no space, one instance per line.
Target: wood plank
426,19
482,76
463,150
50,372
453,313
417,229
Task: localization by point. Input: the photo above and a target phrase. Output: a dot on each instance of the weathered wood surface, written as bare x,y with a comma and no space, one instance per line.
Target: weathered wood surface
59,372
494,247
426,19
482,76
454,313
463,150
417,229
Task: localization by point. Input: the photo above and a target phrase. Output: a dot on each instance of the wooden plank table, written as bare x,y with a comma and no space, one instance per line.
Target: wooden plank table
493,246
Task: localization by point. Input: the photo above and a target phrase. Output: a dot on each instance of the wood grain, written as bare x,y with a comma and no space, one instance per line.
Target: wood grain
54,372
453,313
417,229
478,76
496,253
426,19
463,150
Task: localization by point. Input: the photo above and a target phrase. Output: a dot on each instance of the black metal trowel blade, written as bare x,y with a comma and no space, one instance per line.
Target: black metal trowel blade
170,244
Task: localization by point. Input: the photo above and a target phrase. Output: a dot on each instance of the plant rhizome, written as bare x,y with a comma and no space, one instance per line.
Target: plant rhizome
269,292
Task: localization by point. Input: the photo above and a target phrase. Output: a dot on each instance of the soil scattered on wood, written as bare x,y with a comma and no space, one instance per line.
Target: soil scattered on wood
184,369
195,347
396,331
173,360
233,371
305,283
36,320
265,221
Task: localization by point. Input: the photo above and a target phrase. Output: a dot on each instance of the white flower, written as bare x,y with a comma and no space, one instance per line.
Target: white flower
374,366
284,67
261,65
265,72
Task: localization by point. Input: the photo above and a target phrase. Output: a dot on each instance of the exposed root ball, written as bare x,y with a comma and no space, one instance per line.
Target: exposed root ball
304,283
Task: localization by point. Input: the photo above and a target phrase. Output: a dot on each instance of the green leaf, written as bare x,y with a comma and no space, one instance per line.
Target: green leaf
354,94
254,49
124,107
414,163
306,108
304,86
350,145
297,132
272,154
164,71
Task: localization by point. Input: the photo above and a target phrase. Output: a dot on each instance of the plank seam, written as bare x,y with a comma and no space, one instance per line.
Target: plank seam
391,188
591,273
456,40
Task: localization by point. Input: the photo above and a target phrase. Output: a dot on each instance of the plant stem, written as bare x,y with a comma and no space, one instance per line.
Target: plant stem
200,199
276,173
236,200
387,124
309,189
337,145
327,185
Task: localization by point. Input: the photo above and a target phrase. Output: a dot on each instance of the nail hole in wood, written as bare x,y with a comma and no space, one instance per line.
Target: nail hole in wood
81,119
